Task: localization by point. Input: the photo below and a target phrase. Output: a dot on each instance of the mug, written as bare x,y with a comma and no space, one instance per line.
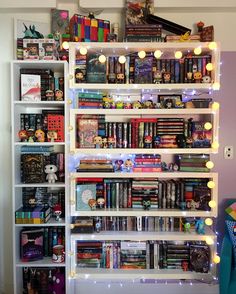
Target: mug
58,254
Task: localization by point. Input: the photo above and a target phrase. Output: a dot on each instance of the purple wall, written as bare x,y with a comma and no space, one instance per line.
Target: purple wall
225,167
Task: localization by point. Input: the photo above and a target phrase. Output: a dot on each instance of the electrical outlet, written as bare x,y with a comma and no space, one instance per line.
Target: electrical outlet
229,152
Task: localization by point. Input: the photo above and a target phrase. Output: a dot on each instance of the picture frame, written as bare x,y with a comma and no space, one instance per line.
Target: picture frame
170,101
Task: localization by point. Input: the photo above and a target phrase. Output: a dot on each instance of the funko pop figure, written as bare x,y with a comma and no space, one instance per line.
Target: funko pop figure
147,141
127,105
197,76
33,50
119,105
48,50
31,137
97,141
51,136
157,77
104,142
148,104
57,212
111,142
59,95
166,77
120,77
137,105
22,134
101,202
50,170
206,79
50,95
79,76
92,203
146,202
40,135
128,165
118,164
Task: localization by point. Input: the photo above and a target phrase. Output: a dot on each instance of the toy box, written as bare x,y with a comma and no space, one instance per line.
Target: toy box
39,49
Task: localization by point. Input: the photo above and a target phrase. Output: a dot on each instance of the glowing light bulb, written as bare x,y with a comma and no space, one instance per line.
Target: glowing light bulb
216,259
72,275
70,77
178,54
197,51
208,221
72,226
122,59
211,185
207,126
209,241
69,101
65,45
215,145
70,128
72,202
102,58
215,105
83,51
216,86
141,54
210,164
157,54
212,203
212,45
209,66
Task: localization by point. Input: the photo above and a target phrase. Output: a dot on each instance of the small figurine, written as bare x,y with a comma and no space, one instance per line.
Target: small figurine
197,76
119,105
187,227
48,48
57,211
189,142
200,26
111,142
97,141
97,224
120,78
50,95
181,141
179,104
79,76
189,77
166,77
158,105
101,202
164,166
148,104
194,68
182,205
33,50
92,203
157,141
169,103
171,167
128,165
147,141
50,170
104,142
118,165
22,134
157,77
31,137
206,79
106,104
127,105
184,265
200,226
137,105
146,202
51,136
59,95
40,135
175,167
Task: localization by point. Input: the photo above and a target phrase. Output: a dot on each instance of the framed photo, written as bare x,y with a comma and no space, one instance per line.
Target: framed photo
170,101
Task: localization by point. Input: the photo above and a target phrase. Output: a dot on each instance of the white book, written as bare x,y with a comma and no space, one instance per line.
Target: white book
30,87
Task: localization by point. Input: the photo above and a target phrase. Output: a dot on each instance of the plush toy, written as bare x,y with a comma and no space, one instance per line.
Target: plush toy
50,170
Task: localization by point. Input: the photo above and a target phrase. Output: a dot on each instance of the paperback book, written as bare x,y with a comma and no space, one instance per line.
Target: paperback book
30,87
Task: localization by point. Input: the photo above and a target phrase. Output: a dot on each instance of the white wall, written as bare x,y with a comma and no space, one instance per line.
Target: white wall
224,24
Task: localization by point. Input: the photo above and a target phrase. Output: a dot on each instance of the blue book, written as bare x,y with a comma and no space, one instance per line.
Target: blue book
84,193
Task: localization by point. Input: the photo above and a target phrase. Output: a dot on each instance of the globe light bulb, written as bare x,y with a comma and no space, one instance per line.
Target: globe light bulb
211,185
215,145
72,226
216,86
209,66
216,259
207,126
122,59
141,54
215,105
212,45
102,58
209,241
197,51
208,221
209,164
65,45
83,51
178,54
157,54
212,203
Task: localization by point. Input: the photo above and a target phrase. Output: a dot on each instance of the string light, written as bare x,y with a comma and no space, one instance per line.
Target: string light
216,86
198,51
212,203
102,58
209,66
70,128
210,164
207,126
141,54
216,259
209,241
211,185
122,59
208,221
69,101
215,145
215,105
83,51
178,54
65,45
212,45
157,54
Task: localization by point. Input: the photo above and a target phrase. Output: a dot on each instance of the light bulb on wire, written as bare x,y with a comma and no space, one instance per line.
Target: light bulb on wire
122,59
157,54
65,45
83,51
212,203
198,51
211,185
207,126
102,58
208,221
178,54
212,45
210,164
141,54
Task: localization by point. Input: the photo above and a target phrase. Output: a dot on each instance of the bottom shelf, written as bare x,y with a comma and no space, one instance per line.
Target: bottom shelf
45,262
163,274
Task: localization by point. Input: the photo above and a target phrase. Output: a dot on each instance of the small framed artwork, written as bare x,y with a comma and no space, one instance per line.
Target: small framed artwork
170,101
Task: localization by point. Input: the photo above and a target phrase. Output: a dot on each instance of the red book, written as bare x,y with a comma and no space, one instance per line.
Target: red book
106,30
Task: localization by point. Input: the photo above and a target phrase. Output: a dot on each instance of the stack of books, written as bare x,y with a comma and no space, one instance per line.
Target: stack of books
143,33
193,162
147,163
89,254
132,255
90,100
95,165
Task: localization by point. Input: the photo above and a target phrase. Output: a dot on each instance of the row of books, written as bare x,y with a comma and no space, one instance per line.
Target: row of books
143,33
148,70
94,131
128,193
34,215
38,243
143,255
40,84
90,100
129,223
147,163
193,162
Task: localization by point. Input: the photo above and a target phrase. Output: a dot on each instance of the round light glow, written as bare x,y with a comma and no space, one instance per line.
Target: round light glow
157,54
209,241
215,145
122,59
72,226
210,185
102,58
208,221
207,126
70,128
141,54
69,101
83,51
209,66
178,54
197,51
216,259
216,86
72,275
215,105
210,164
212,203
65,45
212,45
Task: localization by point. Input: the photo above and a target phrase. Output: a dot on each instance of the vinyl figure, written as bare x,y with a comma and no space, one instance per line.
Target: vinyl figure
166,77
50,170
104,142
59,95
119,105
157,77
48,48
57,212
184,265
118,165
200,226
92,203
111,142
22,134
206,79
101,202
79,76
97,141
147,141
50,95
40,135
31,137
51,136
146,202
137,105
120,77
197,76
148,104
127,105
128,165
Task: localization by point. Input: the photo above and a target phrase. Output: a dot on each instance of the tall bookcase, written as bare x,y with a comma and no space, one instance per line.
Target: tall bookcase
211,114
18,107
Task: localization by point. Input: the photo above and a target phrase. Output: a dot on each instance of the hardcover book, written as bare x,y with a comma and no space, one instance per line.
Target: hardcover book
83,194
32,168
31,242
87,130
96,71
143,70
201,137
30,87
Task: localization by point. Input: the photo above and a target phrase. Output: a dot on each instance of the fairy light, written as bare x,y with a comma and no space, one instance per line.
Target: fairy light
70,128
215,145
215,106
141,54
65,45
210,164
209,66
157,54
122,59
216,86
70,77
109,286
102,58
72,226
208,221
207,126
216,259
69,101
83,51
197,51
211,185
212,203
212,45
209,241
121,285
178,54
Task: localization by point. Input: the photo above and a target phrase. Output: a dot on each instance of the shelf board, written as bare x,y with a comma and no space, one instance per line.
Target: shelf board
142,212
39,104
106,151
51,223
144,236
46,261
103,274
165,175
173,111
56,185
39,144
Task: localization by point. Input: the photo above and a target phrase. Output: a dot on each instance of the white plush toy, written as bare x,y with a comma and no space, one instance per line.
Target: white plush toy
50,170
